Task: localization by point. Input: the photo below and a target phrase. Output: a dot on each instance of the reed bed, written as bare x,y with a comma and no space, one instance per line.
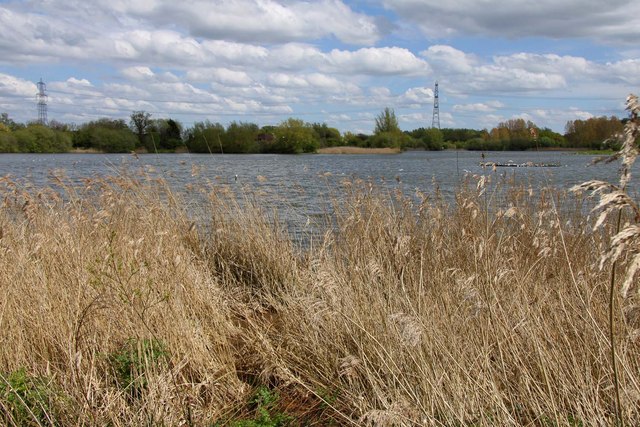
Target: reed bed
117,308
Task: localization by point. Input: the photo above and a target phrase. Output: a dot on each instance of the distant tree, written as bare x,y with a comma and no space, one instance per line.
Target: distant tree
428,138
140,121
461,134
110,136
163,135
241,138
327,136
294,136
387,121
513,134
549,138
8,142
593,132
356,140
56,125
7,121
205,137
36,138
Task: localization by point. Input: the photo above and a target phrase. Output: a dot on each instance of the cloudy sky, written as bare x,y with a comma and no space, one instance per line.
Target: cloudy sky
334,61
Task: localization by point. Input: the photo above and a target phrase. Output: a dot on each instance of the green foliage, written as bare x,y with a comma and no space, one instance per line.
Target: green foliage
132,362
264,403
356,140
37,138
293,136
483,145
549,138
428,138
241,138
387,122
389,139
461,134
163,135
140,122
111,136
513,134
8,143
327,136
205,137
25,400
9,123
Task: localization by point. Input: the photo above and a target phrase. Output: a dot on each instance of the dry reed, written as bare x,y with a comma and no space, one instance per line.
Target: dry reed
487,311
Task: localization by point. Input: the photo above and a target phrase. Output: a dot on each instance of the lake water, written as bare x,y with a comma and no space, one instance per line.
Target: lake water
303,183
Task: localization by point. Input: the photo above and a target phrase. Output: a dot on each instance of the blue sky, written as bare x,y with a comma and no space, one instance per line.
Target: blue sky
334,61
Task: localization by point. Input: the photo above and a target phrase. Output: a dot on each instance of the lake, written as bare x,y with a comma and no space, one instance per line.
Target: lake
303,183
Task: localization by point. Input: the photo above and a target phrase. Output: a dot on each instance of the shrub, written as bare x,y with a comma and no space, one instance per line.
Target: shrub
40,139
8,143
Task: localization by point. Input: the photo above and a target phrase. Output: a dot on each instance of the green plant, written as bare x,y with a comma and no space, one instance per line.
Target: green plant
265,402
132,362
24,399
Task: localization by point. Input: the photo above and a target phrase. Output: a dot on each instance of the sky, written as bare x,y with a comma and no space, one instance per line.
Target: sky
339,62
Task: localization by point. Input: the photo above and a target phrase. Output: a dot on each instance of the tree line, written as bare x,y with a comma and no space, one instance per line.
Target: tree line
143,133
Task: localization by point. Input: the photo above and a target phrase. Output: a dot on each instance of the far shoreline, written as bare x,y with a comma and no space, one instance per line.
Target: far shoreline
345,149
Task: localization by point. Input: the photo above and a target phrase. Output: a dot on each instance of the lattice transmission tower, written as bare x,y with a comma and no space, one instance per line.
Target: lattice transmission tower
435,120
41,98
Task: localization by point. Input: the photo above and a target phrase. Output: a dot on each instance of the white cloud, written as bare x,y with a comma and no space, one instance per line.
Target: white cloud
287,80
205,57
418,95
72,81
331,84
416,118
221,75
577,114
261,20
504,73
14,86
545,63
626,71
138,73
490,120
449,58
385,60
615,20
296,56
35,38
478,107
380,92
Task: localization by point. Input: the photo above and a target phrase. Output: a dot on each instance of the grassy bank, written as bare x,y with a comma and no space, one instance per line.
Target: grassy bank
117,309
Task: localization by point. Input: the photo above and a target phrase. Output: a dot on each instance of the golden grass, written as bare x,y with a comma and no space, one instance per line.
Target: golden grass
358,150
410,311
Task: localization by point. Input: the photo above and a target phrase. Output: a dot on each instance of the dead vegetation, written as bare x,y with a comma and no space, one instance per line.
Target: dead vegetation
117,309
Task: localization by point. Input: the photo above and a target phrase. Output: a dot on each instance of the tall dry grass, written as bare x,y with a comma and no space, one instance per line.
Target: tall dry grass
487,311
